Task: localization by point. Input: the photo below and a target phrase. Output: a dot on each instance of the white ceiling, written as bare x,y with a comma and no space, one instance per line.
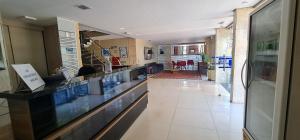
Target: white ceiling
162,21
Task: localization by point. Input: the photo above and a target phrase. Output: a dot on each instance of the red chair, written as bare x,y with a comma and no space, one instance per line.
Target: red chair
116,61
181,64
174,65
184,64
191,63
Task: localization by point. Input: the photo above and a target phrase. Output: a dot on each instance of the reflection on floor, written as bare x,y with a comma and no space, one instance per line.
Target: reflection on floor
227,87
195,75
187,110
5,127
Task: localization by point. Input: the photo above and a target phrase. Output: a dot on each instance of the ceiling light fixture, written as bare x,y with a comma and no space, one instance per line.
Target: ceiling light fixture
82,7
122,28
245,2
27,18
127,33
221,23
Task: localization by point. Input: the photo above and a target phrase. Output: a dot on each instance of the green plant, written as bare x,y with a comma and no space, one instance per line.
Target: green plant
208,60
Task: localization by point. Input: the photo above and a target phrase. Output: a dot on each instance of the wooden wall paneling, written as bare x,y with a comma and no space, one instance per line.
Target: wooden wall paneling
52,48
21,123
115,51
28,47
132,51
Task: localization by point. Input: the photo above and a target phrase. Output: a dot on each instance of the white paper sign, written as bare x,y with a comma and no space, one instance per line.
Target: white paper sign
66,74
29,75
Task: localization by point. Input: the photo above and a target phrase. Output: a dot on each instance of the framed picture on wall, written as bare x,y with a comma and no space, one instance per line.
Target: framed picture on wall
105,52
148,53
123,52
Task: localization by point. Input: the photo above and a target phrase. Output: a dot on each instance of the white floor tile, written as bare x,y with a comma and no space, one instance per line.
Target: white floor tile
194,118
147,131
231,136
178,132
187,110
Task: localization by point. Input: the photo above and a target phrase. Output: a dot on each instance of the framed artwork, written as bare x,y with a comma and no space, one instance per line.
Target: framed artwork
161,51
123,52
105,52
148,53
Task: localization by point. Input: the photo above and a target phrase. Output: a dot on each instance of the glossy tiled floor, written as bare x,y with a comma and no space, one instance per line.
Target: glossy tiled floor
187,110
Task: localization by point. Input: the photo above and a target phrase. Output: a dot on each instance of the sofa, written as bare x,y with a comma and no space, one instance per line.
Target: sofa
153,68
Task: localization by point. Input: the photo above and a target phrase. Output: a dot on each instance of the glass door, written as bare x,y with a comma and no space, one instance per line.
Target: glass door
224,65
262,70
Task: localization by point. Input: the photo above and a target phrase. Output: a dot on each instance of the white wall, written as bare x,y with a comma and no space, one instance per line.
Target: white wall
140,44
240,50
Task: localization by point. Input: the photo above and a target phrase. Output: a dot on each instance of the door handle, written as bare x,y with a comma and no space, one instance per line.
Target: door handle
249,76
242,72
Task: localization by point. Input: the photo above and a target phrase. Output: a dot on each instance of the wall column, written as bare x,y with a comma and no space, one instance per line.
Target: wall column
239,52
5,83
210,47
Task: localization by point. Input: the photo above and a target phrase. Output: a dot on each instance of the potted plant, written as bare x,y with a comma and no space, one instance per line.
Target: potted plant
211,74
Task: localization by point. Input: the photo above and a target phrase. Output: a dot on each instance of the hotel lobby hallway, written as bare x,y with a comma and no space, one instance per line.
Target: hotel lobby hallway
187,110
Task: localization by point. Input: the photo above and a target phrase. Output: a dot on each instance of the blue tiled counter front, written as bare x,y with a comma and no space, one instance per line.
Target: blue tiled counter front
66,112
56,106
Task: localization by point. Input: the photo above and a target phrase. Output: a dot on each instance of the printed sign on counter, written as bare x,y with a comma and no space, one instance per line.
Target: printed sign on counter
29,75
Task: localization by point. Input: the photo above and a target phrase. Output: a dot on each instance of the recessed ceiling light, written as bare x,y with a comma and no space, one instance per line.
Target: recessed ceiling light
27,18
82,7
122,28
245,2
222,22
127,33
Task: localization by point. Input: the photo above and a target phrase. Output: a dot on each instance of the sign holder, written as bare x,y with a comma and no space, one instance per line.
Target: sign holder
29,76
